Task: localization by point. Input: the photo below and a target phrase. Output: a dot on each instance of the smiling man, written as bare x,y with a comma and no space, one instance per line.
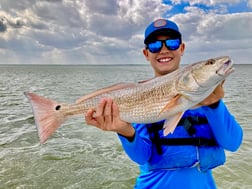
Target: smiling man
185,158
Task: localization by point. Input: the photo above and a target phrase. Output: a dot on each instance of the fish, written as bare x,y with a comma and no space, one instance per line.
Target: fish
162,98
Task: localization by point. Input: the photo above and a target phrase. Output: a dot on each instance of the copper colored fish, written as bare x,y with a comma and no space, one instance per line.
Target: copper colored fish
161,98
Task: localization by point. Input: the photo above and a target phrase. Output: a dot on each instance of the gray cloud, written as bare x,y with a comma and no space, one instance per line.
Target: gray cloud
111,31
108,7
3,26
216,35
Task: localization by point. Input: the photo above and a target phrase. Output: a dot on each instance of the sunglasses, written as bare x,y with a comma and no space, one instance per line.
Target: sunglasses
156,46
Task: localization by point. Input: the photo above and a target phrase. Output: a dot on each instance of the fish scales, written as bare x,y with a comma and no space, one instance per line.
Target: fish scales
162,98
141,103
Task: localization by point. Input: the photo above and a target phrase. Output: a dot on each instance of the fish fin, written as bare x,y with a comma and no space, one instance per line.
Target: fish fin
105,90
144,81
170,125
46,114
171,103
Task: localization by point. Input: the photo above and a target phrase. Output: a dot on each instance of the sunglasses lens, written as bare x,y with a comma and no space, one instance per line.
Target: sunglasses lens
155,46
172,44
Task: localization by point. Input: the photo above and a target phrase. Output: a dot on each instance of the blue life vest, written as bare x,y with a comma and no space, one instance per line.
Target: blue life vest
192,144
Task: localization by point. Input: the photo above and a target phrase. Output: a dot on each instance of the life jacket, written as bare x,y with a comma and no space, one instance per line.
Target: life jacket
192,144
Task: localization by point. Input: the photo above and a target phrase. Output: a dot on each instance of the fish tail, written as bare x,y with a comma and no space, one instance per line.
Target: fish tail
47,114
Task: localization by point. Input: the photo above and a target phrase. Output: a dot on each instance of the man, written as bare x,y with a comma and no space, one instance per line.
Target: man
185,158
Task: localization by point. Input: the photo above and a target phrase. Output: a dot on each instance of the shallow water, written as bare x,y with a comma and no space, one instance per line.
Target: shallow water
80,156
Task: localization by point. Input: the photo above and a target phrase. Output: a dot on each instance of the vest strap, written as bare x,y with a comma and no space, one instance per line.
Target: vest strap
188,124
199,141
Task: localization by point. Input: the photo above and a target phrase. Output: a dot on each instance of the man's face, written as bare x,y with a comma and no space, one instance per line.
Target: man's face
164,61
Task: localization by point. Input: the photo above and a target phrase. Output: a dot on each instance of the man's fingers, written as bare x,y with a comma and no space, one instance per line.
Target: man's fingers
108,110
219,92
115,112
222,83
100,112
89,117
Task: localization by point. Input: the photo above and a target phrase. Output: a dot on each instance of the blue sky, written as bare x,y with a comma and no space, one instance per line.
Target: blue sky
237,7
111,31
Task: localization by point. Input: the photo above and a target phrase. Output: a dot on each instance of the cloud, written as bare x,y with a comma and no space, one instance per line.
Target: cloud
205,2
96,28
216,35
3,26
111,31
250,3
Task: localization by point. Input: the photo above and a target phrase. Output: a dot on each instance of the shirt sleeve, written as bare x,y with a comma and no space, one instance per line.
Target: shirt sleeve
226,129
139,150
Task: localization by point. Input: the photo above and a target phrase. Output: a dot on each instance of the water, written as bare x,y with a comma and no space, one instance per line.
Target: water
81,156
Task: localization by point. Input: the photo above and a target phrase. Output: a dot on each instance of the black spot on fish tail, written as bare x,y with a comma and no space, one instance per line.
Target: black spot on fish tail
57,107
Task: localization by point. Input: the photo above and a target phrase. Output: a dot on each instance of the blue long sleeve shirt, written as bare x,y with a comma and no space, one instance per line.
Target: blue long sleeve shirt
223,128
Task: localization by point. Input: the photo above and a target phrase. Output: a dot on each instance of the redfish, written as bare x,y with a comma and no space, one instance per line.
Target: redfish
162,98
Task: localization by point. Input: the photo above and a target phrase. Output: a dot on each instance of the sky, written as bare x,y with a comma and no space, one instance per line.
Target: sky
112,31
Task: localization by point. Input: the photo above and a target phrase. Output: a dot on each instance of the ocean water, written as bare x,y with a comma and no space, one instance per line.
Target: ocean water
81,156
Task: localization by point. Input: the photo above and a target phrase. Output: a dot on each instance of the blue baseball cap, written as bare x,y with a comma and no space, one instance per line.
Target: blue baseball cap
161,26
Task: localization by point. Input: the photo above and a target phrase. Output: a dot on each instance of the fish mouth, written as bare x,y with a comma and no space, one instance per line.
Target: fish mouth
226,68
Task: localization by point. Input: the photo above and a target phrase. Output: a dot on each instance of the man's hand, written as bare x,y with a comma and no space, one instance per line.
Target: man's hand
214,97
106,117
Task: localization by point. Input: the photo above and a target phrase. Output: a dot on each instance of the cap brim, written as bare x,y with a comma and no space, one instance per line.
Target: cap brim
166,32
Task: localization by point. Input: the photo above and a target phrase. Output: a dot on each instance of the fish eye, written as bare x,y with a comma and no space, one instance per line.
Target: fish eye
57,107
210,62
